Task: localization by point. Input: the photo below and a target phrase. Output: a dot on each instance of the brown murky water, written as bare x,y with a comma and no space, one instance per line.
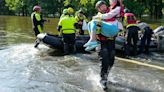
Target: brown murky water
26,69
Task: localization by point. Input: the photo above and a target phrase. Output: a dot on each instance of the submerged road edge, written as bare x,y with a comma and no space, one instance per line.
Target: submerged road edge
140,63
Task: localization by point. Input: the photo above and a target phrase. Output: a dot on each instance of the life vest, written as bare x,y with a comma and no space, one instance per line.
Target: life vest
37,21
100,36
80,19
67,24
111,19
121,12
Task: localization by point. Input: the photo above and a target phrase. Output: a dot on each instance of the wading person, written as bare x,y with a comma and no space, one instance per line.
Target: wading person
66,27
132,34
37,22
108,31
146,37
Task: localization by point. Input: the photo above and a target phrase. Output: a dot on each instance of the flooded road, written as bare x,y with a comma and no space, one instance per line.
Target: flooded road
26,69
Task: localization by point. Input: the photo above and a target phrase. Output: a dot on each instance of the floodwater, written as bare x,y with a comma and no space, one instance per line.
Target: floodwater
26,69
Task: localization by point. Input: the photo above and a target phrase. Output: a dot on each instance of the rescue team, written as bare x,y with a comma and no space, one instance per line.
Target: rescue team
102,29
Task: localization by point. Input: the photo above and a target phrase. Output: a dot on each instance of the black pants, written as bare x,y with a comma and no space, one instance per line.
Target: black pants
69,43
145,40
107,54
132,40
36,31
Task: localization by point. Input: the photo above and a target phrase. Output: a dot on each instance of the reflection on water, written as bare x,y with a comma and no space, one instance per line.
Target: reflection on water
26,69
18,29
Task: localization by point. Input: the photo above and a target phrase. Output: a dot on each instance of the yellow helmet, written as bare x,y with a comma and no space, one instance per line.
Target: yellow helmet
70,10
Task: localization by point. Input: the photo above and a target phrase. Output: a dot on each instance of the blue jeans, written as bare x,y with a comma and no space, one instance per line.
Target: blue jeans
107,29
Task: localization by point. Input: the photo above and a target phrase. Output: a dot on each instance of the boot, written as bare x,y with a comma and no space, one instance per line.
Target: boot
103,81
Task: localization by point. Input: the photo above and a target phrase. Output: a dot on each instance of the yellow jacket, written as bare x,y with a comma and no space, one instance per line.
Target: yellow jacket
68,24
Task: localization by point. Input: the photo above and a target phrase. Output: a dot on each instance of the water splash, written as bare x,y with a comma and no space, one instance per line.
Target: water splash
94,79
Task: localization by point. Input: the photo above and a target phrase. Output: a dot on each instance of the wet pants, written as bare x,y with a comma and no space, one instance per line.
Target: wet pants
145,40
69,43
36,31
106,54
132,40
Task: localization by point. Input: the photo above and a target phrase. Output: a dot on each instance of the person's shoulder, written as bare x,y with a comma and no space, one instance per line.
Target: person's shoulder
65,17
32,14
62,18
37,14
117,8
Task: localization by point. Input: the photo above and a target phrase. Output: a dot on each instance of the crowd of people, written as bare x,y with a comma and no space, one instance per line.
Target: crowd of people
102,29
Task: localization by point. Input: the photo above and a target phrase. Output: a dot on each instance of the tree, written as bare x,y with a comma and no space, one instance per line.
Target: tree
135,7
16,5
140,7
55,7
4,9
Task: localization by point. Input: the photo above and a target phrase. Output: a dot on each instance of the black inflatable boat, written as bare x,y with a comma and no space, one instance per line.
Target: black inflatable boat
54,41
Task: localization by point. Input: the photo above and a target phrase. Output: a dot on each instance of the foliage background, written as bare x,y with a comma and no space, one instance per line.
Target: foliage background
53,8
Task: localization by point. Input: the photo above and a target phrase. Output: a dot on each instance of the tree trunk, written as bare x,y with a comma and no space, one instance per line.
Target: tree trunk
157,9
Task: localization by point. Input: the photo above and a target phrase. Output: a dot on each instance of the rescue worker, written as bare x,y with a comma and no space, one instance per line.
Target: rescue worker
107,40
146,37
132,34
66,27
80,17
112,15
37,20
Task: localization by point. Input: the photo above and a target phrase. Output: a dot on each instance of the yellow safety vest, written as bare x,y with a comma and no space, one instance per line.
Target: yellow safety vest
37,16
79,18
62,16
67,23
129,25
